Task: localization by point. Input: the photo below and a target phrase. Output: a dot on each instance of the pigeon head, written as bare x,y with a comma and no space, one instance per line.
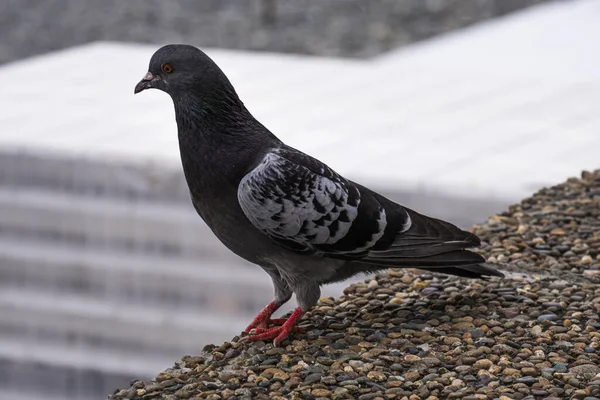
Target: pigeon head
185,72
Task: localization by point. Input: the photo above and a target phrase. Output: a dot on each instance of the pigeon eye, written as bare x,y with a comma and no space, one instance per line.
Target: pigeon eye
167,68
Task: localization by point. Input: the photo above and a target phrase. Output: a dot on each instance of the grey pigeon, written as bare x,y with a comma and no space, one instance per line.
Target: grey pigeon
284,210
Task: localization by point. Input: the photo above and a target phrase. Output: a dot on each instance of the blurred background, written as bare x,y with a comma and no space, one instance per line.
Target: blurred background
457,108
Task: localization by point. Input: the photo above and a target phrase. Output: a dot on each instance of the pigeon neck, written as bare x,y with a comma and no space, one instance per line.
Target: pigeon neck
194,111
218,116
221,143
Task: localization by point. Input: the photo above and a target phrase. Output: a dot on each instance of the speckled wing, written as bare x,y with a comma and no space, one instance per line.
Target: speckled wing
305,206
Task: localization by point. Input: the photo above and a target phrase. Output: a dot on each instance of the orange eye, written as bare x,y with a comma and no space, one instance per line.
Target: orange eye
167,68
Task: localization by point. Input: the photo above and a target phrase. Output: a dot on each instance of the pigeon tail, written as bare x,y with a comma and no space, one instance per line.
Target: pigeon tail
475,271
433,245
459,262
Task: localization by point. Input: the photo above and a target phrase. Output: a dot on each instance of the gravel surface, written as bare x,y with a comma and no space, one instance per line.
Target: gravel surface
411,335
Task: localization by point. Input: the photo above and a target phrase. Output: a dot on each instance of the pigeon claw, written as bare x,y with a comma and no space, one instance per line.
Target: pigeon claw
279,333
255,331
277,321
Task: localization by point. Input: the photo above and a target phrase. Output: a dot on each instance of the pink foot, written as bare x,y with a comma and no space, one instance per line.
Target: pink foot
279,333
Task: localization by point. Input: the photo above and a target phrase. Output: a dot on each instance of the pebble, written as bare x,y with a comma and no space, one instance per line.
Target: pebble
530,371
532,335
547,317
528,380
560,367
312,378
483,364
585,370
321,392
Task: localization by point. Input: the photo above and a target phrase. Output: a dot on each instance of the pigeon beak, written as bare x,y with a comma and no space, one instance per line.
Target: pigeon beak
148,81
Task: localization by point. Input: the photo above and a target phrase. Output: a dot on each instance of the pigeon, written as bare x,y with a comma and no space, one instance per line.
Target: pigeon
303,223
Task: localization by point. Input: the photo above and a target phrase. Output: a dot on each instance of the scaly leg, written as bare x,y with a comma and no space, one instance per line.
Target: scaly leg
263,319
